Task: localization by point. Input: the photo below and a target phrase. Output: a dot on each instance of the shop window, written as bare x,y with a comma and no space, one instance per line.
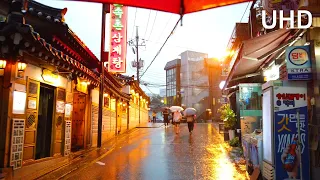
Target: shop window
106,102
33,88
61,95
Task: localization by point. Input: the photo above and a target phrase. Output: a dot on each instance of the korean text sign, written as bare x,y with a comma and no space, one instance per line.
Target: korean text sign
298,63
118,39
287,100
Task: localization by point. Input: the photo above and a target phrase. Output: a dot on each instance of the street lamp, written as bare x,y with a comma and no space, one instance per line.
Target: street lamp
162,101
221,85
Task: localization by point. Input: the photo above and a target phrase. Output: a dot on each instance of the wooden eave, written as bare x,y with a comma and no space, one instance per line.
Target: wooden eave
34,44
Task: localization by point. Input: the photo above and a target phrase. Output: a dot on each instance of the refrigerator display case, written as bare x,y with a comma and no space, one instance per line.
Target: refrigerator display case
250,107
285,123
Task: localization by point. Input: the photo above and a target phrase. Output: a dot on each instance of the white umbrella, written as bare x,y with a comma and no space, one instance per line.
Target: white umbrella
176,108
190,111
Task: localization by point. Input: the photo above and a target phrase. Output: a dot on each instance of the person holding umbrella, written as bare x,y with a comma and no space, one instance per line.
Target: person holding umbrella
166,117
190,113
176,118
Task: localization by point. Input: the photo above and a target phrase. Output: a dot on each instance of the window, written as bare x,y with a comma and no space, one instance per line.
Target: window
171,82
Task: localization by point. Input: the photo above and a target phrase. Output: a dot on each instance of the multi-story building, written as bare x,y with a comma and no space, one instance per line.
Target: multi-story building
194,81
173,96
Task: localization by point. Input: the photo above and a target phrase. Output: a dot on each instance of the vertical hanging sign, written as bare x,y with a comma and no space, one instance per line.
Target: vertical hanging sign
118,39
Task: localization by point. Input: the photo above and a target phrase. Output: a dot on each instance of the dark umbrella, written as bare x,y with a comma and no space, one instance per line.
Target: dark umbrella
181,7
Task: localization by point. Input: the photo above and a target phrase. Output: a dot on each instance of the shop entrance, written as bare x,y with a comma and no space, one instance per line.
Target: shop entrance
44,128
78,121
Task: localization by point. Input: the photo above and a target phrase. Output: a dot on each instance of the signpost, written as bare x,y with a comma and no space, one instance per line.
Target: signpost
298,63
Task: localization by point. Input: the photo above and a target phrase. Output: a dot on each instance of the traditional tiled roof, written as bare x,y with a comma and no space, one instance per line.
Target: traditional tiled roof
33,43
56,17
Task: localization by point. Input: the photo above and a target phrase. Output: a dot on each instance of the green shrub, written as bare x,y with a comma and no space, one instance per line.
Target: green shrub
234,142
228,116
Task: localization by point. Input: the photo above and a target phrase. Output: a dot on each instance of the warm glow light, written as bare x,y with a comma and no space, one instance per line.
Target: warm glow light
162,100
88,83
124,104
21,66
132,91
221,85
84,83
3,64
105,95
224,54
129,106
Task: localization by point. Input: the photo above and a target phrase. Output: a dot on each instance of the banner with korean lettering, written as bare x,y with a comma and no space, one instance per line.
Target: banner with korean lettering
298,63
118,38
287,101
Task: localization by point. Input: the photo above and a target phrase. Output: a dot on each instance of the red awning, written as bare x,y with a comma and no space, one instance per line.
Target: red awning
173,6
256,51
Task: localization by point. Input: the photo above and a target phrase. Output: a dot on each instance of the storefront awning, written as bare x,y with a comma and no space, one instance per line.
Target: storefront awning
254,52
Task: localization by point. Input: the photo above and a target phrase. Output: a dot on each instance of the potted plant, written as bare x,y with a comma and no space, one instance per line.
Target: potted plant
229,119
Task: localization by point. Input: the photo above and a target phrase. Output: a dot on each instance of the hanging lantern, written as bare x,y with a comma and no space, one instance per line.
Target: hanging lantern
21,66
3,63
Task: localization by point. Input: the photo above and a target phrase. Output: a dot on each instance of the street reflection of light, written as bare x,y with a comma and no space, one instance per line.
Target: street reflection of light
222,167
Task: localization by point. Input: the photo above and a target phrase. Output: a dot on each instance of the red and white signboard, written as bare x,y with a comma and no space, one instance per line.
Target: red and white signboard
118,38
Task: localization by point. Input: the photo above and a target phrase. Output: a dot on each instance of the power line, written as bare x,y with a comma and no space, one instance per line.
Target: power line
165,27
162,46
144,36
134,24
153,25
150,91
245,11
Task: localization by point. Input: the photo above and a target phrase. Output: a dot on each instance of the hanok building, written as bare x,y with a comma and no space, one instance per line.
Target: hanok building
49,92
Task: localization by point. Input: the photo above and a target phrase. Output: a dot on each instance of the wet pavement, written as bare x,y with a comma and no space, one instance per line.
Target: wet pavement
158,153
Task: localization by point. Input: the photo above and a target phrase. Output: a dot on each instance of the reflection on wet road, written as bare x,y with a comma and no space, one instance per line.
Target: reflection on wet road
158,153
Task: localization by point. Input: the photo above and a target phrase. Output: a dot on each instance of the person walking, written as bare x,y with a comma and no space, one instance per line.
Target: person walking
154,117
166,117
190,121
177,118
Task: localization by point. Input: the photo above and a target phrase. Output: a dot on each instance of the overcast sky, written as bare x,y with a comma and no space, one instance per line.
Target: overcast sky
207,31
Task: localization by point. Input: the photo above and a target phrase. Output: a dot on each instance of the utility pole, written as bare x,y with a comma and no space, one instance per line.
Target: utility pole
105,9
138,64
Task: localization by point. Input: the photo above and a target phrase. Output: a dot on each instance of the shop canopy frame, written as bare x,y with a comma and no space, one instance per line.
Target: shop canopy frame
255,53
180,7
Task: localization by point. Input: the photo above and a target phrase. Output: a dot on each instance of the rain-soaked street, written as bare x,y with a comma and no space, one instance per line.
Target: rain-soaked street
158,153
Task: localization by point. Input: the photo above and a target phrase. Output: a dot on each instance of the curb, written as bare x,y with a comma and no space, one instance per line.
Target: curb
87,165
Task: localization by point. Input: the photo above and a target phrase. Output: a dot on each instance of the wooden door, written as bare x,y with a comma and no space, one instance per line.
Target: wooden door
78,121
33,92
58,121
